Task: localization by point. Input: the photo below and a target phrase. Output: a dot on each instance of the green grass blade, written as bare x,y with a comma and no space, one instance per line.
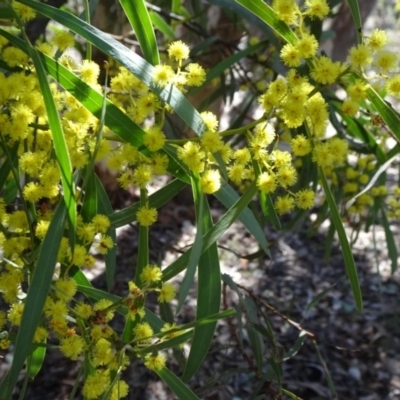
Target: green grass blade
60,145
386,111
176,385
351,268
196,250
214,233
160,23
267,14
355,13
139,18
391,244
133,62
36,297
208,301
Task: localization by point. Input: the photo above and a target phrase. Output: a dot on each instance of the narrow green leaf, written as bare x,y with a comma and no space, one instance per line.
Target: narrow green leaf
296,347
196,250
139,18
143,246
227,279
386,111
176,385
36,361
60,145
141,262
8,164
6,12
319,297
391,244
351,268
290,395
268,15
175,6
326,370
160,23
200,322
11,190
208,301
355,12
36,297
277,368
256,342
89,205
170,343
80,278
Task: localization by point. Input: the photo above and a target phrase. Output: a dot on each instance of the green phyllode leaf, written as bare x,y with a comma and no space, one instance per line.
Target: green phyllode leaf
208,301
267,14
176,385
351,268
196,249
60,145
139,18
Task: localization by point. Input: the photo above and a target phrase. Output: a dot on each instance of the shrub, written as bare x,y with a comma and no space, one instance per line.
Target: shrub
59,116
